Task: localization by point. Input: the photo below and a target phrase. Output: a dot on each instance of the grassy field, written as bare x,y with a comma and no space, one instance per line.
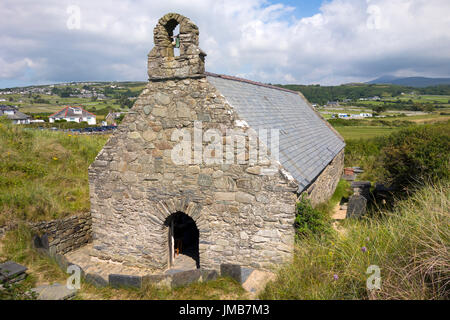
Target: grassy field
43,174
441,99
365,132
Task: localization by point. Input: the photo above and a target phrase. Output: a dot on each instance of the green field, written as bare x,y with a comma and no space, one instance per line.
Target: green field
365,132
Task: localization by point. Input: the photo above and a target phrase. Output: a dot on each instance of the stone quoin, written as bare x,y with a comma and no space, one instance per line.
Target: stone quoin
146,209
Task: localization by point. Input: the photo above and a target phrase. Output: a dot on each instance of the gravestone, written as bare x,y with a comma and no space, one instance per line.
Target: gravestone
356,206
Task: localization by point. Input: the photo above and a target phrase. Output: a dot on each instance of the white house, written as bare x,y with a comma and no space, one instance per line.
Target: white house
73,114
14,115
343,115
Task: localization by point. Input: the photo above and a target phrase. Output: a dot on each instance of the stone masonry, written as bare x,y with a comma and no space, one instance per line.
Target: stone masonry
64,235
325,184
243,216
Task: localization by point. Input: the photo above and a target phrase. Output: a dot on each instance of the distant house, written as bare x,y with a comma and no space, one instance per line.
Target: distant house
112,117
333,103
365,115
14,115
37,121
343,115
73,114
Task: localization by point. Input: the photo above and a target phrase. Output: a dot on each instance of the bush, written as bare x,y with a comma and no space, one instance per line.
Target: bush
417,154
412,155
310,221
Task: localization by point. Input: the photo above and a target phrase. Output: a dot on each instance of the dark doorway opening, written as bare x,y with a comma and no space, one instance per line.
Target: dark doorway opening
183,238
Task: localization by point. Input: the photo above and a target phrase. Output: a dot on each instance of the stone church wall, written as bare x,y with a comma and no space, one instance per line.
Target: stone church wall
243,217
325,184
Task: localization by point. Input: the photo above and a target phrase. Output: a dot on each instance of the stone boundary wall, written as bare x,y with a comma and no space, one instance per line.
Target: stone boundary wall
59,236
325,184
64,235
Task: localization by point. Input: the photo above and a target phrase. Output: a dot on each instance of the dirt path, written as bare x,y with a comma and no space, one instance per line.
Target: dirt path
338,215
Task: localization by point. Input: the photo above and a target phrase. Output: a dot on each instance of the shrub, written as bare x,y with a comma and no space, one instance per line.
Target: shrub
412,155
417,154
310,221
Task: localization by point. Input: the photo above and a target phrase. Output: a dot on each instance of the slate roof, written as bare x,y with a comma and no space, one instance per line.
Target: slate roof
16,116
69,112
307,143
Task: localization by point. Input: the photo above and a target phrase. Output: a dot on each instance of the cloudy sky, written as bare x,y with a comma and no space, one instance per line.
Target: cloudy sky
276,41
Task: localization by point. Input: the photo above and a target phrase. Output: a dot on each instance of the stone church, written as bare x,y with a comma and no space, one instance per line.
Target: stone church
148,208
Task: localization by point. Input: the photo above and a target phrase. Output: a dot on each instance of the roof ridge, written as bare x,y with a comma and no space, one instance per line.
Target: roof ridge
223,76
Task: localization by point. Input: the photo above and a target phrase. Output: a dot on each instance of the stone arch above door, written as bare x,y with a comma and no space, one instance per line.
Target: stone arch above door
193,209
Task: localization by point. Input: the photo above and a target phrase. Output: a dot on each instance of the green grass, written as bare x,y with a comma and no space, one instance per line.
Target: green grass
409,245
43,174
365,132
223,288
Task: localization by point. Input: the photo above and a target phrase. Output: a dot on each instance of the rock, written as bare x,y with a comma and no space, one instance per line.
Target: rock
159,280
149,135
257,281
96,280
254,170
12,272
209,275
147,110
121,280
236,272
186,277
204,180
244,197
225,196
56,291
162,98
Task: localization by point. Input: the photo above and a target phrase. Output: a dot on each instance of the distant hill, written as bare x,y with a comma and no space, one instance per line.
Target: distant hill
419,82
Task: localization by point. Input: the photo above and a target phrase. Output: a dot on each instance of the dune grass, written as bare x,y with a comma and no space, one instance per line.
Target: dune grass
43,174
410,245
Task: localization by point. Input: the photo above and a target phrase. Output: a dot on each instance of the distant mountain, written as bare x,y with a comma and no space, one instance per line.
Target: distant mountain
418,82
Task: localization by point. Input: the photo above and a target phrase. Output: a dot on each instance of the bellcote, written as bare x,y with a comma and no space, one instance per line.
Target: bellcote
175,55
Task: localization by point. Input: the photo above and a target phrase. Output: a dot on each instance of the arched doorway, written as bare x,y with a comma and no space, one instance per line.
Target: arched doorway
183,241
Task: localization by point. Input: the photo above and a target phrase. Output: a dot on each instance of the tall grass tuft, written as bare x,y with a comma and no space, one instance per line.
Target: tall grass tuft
410,245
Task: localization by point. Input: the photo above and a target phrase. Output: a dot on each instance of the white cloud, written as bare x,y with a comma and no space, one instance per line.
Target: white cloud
349,40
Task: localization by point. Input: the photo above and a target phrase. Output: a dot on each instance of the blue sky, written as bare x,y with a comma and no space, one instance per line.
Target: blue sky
317,42
302,8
